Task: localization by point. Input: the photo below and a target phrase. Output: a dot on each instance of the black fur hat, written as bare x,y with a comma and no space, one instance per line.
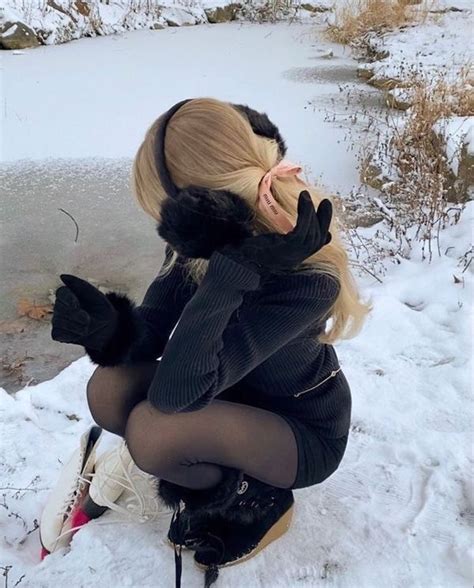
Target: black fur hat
196,221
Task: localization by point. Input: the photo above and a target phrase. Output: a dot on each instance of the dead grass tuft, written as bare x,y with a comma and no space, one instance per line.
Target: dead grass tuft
420,192
355,19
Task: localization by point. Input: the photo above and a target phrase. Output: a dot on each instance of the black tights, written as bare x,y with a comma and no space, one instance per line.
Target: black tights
187,448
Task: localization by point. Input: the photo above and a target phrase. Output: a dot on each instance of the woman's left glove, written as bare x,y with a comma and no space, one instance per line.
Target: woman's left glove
83,315
274,251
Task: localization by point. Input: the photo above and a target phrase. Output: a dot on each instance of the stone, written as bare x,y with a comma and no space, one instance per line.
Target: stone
384,83
398,100
364,72
316,7
372,176
462,188
16,35
222,13
177,17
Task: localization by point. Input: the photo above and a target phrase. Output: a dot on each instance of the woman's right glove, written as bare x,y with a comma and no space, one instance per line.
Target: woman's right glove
276,251
83,315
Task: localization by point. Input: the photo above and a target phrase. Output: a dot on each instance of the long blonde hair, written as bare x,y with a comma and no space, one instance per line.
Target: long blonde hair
210,143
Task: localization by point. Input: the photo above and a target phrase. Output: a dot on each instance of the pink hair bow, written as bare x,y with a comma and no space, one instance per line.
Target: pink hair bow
266,202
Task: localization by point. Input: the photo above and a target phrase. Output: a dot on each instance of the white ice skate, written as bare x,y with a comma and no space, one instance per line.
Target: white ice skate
90,485
62,511
119,485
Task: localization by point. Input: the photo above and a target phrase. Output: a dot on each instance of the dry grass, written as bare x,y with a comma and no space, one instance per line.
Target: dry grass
423,195
355,19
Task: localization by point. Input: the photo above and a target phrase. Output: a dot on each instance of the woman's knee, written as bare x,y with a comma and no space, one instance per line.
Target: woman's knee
93,393
110,399
151,439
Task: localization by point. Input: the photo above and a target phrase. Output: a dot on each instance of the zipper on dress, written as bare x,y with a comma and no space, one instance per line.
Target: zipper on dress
331,375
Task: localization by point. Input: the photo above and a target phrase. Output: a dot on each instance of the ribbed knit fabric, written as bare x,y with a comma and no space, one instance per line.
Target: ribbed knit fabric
161,308
257,332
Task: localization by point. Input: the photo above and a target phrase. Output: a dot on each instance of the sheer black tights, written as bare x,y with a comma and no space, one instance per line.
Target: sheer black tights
187,448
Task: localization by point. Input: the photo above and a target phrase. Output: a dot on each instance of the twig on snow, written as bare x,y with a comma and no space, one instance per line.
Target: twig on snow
73,220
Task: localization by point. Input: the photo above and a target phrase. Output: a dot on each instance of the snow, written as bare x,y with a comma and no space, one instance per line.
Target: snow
132,79
399,505
457,132
64,20
10,31
441,46
399,510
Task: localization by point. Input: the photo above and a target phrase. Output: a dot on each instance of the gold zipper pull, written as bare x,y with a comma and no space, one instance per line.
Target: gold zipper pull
331,375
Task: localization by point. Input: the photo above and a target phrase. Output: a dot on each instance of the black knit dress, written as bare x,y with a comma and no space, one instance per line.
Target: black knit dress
250,338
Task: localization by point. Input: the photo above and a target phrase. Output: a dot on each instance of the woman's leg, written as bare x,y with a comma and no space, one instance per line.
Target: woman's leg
187,448
112,393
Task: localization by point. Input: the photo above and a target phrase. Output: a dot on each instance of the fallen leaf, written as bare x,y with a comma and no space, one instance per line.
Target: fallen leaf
456,279
12,327
34,311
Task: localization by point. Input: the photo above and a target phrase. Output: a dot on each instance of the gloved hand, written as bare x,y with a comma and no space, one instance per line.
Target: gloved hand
275,251
83,315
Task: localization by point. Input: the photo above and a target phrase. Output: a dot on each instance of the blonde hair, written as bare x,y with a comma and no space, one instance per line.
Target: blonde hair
210,143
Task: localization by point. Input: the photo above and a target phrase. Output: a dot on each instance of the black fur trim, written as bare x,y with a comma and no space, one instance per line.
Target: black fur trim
254,504
263,126
129,330
198,221
212,501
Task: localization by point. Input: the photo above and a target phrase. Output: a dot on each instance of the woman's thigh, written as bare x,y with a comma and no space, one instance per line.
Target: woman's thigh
255,440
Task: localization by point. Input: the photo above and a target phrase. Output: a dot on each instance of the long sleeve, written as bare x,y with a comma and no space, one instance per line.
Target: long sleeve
161,308
143,331
209,352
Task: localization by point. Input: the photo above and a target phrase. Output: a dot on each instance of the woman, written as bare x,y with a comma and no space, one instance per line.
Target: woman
248,401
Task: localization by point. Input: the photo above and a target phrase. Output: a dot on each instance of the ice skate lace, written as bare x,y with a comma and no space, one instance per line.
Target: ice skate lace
73,496
136,507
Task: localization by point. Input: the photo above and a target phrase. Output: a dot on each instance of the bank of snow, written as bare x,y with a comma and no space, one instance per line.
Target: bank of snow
34,22
399,508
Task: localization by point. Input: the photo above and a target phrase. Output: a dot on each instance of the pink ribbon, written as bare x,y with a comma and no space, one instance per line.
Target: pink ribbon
267,204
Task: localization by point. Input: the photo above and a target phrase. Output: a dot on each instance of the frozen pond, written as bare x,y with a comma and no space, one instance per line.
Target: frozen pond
73,116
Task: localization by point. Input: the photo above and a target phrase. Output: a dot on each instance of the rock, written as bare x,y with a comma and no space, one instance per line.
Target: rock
361,217
315,7
384,83
462,188
399,98
328,55
358,210
222,13
177,17
16,35
365,72
371,175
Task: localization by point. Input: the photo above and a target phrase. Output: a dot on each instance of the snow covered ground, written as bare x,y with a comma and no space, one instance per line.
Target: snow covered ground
61,21
439,47
400,510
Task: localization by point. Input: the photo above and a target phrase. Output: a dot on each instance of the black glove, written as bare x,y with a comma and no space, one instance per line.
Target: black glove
83,315
275,252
